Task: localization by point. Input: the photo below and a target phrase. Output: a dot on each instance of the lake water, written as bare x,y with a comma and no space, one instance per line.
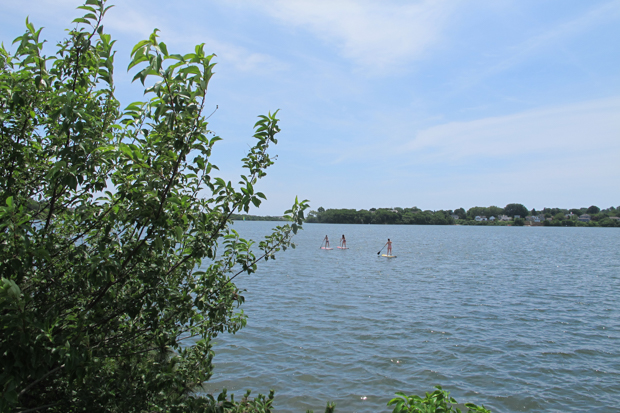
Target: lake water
518,319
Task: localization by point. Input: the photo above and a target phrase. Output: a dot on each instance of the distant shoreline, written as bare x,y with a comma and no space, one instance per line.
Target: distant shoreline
510,215
242,217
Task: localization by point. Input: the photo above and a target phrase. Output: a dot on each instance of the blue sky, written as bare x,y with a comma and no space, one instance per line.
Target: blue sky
436,104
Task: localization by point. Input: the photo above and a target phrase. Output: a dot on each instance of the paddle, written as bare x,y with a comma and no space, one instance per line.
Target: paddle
381,249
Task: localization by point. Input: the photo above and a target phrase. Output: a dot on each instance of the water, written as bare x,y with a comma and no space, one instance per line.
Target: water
518,319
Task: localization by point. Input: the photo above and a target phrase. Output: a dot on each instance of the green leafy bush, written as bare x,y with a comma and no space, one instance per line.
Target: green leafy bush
105,217
438,401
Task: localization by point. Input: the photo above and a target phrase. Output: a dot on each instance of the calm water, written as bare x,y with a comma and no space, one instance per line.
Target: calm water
517,319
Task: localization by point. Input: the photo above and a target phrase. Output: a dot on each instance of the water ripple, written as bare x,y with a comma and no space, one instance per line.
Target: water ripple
518,319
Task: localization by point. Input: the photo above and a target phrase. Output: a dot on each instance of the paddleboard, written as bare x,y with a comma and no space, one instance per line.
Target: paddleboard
388,256
342,248
324,248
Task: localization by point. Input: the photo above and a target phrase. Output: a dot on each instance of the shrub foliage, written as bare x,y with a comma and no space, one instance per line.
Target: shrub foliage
117,256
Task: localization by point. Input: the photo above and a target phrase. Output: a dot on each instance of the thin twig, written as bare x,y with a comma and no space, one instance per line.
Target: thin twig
21,393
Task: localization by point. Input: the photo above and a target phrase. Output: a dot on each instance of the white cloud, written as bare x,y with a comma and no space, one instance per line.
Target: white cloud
243,60
43,9
377,36
579,128
133,20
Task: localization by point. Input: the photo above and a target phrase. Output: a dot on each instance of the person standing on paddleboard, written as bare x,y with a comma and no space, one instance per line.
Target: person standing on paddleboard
343,242
326,241
389,245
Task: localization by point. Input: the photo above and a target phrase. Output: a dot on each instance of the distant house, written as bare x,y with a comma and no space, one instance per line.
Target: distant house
569,216
454,216
492,218
615,218
534,220
504,218
480,218
584,218
517,216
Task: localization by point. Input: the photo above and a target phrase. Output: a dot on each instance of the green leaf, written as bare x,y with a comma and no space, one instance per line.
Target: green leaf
163,48
120,221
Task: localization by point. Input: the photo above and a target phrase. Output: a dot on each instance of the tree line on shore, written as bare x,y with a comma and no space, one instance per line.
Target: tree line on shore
248,217
416,216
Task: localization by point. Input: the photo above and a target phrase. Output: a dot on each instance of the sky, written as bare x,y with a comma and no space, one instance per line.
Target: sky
438,104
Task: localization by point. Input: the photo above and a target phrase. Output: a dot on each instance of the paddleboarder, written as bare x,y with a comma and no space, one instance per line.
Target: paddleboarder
326,241
343,241
389,245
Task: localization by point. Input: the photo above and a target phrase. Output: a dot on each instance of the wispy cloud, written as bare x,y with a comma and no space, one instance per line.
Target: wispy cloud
135,21
244,60
580,128
43,9
376,36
